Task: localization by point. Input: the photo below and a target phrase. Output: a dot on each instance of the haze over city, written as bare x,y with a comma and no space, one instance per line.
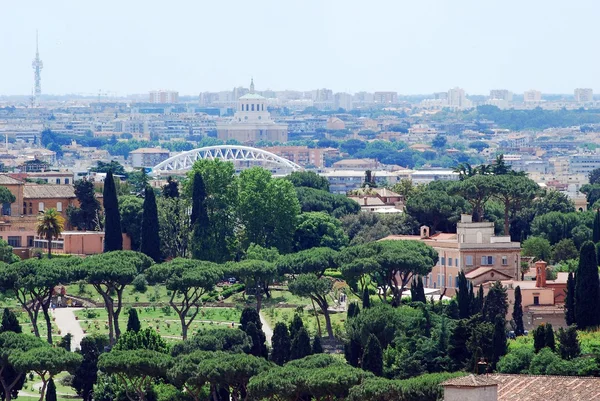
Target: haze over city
408,47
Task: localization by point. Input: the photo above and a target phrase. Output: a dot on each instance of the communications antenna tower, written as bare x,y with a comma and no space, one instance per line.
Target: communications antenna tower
37,65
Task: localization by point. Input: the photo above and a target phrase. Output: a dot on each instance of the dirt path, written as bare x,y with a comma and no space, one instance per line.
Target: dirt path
66,322
266,328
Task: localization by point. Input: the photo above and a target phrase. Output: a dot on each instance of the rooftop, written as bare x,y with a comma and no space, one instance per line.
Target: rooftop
254,96
471,381
546,388
37,191
150,150
7,180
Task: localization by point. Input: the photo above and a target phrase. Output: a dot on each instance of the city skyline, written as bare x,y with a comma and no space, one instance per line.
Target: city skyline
192,48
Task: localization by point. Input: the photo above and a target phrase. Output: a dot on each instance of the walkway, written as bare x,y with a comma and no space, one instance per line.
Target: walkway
66,322
266,328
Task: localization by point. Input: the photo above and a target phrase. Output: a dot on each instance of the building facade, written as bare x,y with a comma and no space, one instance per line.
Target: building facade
532,95
163,96
301,155
148,157
584,95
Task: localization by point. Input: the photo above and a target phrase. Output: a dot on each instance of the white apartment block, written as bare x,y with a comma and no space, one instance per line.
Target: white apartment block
163,96
584,95
501,94
532,96
457,98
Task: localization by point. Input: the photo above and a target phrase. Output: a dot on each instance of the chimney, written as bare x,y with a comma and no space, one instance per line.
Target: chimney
466,218
424,232
540,273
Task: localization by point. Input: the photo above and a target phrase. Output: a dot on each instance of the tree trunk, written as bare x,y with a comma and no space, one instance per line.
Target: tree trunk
184,327
258,299
49,238
33,314
48,322
43,389
328,322
506,219
117,312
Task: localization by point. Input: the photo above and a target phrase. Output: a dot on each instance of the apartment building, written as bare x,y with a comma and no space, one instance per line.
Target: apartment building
532,96
163,96
583,163
501,94
301,155
385,97
584,95
148,157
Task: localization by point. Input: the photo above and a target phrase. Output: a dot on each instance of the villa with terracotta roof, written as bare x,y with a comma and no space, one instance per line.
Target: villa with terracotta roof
474,249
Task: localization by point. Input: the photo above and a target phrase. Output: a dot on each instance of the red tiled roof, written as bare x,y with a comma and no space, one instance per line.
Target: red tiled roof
546,388
482,270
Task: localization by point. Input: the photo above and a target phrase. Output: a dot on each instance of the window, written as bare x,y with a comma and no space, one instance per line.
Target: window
449,261
14,241
469,260
487,260
59,206
24,207
504,260
252,107
456,262
30,208
443,282
30,239
443,261
58,180
449,280
536,300
6,209
456,282
66,180
41,206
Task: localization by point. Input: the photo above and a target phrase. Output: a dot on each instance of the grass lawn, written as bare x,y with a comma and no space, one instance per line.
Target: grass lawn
163,319
285,315
28,327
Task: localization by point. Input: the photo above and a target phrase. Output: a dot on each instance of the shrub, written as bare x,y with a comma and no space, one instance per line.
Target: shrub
140,284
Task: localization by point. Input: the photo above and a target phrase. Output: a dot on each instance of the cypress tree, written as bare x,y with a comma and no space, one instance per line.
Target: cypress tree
133,322
596,231
517,314
259,348
150,243
462,297
496,303
549,340
413,289
568,344
317,348
570,301
65,341
587,289
199,220
296,325
372,360
420,292
366,298
477,301
300,345
499,342
250,315
171,189
86,374
352,351
281,344
457,345
10,322
113,239
51,391
539,338
353,310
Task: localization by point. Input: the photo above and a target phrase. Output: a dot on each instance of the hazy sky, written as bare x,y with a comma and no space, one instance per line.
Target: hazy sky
416,46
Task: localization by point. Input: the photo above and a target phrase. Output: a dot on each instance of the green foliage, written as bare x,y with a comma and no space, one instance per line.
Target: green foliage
131,210
570,301
150,242
113,166
10,322
499,343
235,341
546,225
564,250
587,289
389,264
139,180
86,374
517,314
147,339
308,179
537,247
317,348
314,200
174,227
171,188
549,340
315,260
86,216
51,391
539,338
257,275
259,347
140,284
295,325
372,359
353,310
568,344
300,345
133,321
317,289
496,303
318,229
463,297
517,361
368,227
281,344
250,315
65,341
366,298
6,196
113,241
436,209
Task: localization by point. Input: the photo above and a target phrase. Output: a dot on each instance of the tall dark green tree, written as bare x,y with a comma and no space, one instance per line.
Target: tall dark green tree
496,303
568,344
366,298
417,291
250,315
317,348
478,301
596,231
133,321
587,289
150,243
517,315
51,391
86,374
296,325
499,342
171,188
300,345
549,340
10,322
259,348
353,310
281,344
372,360
84,217
570,301
462,297
539,338
199,220
113,239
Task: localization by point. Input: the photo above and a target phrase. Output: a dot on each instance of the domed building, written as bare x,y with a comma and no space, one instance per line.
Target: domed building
252,122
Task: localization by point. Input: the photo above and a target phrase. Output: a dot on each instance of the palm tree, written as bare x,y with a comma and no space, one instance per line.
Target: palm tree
50,225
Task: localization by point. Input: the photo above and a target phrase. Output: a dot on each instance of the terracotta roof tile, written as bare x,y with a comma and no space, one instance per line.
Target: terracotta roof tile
546,388
471,381
40,191
7,180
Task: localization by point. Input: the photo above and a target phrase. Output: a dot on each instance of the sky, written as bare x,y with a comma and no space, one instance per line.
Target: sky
411,47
